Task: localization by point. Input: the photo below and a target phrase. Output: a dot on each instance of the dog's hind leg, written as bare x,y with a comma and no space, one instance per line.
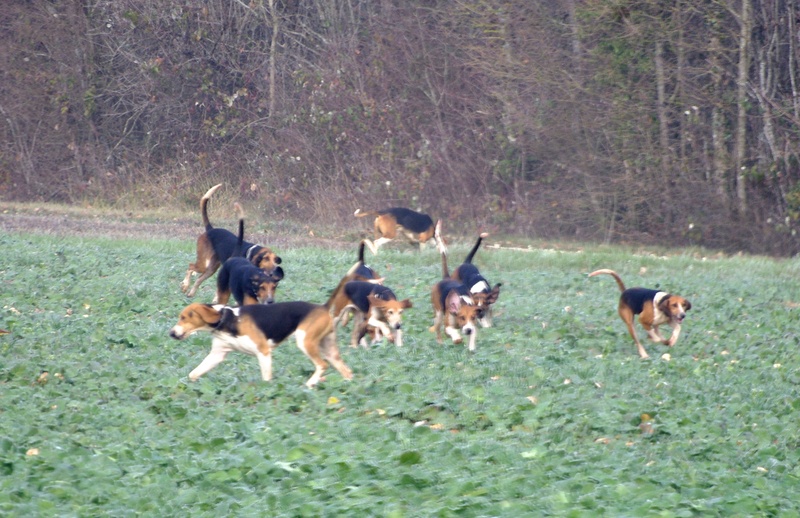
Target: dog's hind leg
210,270
330,352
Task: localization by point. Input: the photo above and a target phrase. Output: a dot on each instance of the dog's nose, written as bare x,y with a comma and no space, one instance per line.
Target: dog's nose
173,334
398,325
468,331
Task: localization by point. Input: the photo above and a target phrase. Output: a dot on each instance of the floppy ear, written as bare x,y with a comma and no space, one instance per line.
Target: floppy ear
406,303
207,313
687,306
374,300
663,304
453,301
492,296
278,260
276,274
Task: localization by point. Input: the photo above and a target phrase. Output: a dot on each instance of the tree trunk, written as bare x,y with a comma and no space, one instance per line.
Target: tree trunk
661,108
741,99
273,50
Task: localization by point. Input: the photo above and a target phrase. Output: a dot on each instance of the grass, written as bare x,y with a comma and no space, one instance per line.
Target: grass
545,418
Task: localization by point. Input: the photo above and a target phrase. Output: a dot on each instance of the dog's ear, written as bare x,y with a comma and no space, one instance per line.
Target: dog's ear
687,306
207,313
278,260
276,274
453,301
406,303
492,296
663,304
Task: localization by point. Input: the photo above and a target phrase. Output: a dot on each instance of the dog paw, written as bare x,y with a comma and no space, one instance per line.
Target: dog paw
457,340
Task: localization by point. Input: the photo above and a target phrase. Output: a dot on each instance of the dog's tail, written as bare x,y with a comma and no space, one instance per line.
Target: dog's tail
437,234
611,273
237,251
437,237
475,248
361,247
360,261
360,214
204,204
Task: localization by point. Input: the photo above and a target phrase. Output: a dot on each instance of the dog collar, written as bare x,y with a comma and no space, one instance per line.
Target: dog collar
249,254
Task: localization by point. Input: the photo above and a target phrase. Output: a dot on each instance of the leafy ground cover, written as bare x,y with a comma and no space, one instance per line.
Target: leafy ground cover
554,414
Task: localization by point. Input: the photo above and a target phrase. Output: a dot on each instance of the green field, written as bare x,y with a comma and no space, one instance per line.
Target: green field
543,419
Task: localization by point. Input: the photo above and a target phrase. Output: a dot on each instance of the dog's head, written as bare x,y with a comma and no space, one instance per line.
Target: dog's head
264,285
464,311
266,259
195,317
391,311
484,299
675,307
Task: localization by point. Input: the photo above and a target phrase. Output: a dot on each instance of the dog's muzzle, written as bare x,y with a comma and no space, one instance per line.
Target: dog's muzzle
176,334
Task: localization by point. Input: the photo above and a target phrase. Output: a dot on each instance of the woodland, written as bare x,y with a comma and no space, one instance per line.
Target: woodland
617,121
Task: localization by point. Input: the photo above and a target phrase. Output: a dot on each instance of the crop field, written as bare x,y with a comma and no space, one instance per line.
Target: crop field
553,414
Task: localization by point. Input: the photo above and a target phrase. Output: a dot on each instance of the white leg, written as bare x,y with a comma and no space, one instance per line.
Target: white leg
453,333
676,332
472,337
398,338
655,336
265,363
374,322
377,244
213,359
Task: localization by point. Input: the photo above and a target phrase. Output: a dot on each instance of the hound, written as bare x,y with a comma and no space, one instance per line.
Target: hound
482,294
358,272
257,329
417,227
375,305
216,245
654,309
453,306
248,283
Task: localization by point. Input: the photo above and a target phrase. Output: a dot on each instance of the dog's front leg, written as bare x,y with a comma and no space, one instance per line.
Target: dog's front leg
265,364
453,333
437,325
676,331
381,325
359,331
213,359
655,336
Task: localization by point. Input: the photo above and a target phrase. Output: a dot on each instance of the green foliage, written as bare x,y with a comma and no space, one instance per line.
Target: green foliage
543,419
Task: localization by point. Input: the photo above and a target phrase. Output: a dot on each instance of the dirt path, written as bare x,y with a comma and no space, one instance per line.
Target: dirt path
118,226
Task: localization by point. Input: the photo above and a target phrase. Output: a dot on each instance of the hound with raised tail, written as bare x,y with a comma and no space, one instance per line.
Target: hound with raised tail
216,245
375,306
654,308
453,305
257,329
417,227
482,294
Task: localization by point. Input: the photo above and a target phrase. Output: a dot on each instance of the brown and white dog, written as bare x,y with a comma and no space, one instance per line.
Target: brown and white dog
358,272
257,329
417,227
216,245
453,306
483,295
248,283
654,308
375,305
